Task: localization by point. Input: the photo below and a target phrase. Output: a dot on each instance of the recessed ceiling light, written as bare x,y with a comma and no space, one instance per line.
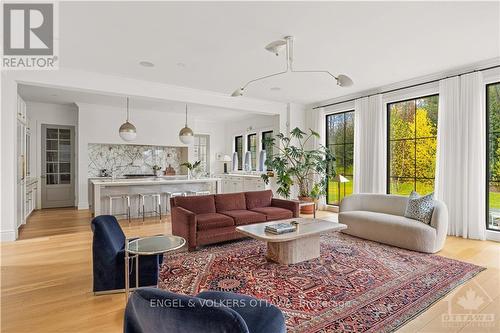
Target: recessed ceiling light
275,89
146,64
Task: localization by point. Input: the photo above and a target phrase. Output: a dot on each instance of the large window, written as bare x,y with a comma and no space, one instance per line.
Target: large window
412,144
252,148
267,145
493,150
238,147
202,151
340,141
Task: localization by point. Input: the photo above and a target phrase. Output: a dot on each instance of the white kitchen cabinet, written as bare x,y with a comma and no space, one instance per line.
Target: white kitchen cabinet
242,183
30,197
26,186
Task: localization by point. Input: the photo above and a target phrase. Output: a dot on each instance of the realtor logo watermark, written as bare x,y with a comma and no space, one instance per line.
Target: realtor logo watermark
29,32
465,306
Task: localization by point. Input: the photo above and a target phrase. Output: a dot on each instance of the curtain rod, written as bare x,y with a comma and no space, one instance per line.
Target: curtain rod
411,86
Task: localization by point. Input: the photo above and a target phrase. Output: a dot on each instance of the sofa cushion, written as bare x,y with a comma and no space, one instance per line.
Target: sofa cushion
389,229
274,213
420,208
218,235
201,204
212,221
256,199
230,201
245,216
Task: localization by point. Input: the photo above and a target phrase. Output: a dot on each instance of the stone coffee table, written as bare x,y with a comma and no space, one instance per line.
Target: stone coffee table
292,247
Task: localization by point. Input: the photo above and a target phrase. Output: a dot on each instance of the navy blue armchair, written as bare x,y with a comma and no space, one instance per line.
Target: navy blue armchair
108,253
151,310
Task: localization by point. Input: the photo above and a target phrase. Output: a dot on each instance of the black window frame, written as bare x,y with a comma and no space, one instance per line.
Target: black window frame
488,170
388,167
239,154
254,154
268,154
328,144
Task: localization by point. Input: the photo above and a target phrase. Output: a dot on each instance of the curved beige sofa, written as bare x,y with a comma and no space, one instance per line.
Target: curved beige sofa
380,218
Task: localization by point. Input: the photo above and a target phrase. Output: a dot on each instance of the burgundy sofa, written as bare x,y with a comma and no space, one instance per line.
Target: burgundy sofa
208,219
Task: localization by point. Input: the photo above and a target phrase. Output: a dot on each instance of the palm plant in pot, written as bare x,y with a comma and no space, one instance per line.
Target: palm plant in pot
295,164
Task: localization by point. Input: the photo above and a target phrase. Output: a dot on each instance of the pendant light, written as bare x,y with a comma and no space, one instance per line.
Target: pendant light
186,134
286,43
127,130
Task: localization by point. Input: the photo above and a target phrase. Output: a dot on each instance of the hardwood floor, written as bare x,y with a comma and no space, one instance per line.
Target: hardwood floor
46,280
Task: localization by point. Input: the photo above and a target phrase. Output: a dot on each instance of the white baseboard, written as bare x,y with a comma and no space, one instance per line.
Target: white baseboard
493,235
83,205
7,235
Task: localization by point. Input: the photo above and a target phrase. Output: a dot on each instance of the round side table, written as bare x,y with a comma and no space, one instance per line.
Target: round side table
152,245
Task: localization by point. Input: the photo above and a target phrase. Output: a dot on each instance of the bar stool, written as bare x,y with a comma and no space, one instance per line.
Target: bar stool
156,201
169,195
126,200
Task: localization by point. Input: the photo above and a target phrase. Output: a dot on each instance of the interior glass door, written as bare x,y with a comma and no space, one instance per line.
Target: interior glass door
57,167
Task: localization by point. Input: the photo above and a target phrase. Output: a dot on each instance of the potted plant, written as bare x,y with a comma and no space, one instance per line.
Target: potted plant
156,170
294,164
191,167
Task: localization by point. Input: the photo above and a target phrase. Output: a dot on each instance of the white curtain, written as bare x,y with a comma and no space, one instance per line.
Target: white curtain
370,145
461,156
316,121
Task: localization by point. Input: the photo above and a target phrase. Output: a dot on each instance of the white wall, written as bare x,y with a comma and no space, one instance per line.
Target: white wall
252,124
217,141
8,113
100,124
49,114
295,116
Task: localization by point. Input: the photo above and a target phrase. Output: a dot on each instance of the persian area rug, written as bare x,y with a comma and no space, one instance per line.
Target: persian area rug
355,286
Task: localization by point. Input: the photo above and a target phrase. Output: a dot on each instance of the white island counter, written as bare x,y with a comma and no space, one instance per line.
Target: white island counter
102,188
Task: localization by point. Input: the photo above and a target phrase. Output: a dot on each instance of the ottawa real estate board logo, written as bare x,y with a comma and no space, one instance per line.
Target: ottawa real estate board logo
29,41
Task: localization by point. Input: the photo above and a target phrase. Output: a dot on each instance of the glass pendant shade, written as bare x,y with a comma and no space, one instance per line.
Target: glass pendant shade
186,134
127,131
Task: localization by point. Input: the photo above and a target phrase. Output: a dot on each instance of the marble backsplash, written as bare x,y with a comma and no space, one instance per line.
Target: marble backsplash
131,159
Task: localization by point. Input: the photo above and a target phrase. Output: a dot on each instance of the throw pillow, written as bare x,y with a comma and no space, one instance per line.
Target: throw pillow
420,208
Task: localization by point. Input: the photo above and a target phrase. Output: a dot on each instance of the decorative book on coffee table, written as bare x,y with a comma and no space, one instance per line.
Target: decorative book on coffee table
280,228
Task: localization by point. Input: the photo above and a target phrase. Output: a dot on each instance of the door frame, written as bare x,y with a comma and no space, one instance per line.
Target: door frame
43,167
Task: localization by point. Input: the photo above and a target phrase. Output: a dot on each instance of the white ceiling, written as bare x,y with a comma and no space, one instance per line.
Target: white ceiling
62,96
222,44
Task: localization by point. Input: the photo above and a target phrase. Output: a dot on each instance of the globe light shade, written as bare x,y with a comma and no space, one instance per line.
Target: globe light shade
186,135
344,80
128,131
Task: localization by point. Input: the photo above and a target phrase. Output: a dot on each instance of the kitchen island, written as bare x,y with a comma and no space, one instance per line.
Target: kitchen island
102,188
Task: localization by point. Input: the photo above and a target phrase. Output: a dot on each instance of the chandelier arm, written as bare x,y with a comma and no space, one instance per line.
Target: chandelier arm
264,77
315,71
288,67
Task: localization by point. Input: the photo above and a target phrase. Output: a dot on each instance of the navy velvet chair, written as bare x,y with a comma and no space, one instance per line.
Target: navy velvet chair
151,310
108,253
